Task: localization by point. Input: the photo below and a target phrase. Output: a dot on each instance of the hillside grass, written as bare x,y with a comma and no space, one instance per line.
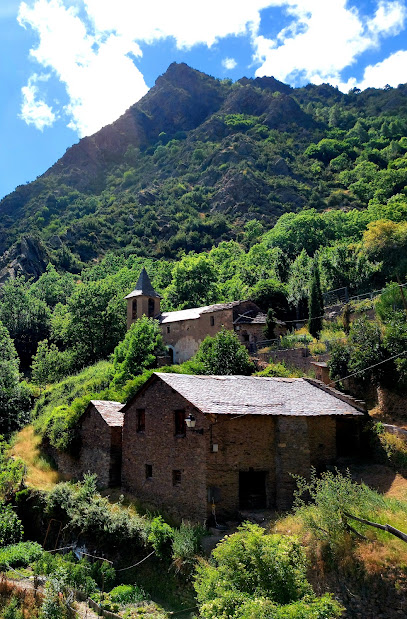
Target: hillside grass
41,473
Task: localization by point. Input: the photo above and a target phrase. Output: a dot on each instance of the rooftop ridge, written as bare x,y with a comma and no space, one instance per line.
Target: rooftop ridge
360,405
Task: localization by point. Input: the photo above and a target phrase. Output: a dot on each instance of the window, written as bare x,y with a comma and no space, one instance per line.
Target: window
180,425
212,320
176,478
168,329
149,471
141,420
151,308
134,309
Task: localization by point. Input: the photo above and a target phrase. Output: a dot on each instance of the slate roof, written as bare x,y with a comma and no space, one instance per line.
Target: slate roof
250,395
250,318
143,287
110,412
195,312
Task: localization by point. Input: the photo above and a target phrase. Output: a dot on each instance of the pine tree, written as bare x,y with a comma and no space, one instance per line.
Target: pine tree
315,303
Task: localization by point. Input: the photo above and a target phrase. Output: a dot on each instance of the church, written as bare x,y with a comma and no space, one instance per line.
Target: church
184,330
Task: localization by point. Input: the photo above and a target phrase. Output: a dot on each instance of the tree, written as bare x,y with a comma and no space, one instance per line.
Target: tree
315,303
26,317
386,240
138,350
15,397
193,282
50,364
270,325
224,355
97,319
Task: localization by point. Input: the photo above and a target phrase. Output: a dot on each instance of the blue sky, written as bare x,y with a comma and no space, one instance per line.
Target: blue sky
69,67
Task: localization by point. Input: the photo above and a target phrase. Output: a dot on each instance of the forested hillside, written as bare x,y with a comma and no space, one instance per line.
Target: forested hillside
197,159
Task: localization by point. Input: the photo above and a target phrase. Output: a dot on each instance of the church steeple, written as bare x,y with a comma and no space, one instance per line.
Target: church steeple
143,300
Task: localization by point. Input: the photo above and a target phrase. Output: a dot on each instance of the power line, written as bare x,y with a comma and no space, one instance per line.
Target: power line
370,367
123,569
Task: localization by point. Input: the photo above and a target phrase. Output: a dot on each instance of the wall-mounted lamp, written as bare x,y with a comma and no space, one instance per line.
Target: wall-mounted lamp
191,421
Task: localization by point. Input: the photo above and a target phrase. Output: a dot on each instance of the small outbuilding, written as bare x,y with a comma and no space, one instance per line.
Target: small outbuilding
194,444
99,445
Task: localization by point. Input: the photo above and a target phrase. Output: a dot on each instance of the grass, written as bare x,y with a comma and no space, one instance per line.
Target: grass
40,472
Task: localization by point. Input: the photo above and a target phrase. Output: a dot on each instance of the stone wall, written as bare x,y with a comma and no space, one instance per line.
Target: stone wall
159,448
100,451
211,464
243,444
185,336
298,357
391,402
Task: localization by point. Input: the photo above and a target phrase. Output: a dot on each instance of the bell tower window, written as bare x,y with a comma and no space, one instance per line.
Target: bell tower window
151,308
134,309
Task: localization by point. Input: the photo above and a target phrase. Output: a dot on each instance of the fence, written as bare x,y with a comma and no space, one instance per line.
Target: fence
100,611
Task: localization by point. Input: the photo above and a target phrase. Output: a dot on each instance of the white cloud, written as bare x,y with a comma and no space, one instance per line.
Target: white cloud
90,45
324,38
35,111
392,70
229,63
100,78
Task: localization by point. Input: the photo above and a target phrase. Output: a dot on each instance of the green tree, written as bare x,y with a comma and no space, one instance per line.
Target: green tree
193,282
26,317
97,319
223,354
138,350
315,303
50,364
15,397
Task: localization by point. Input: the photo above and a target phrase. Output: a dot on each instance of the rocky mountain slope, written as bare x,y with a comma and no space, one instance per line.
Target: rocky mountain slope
197,158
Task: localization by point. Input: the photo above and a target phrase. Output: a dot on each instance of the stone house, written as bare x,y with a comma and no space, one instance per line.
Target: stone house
251,434
184,330
99,445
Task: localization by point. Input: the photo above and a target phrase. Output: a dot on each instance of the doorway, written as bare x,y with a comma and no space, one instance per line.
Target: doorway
252,490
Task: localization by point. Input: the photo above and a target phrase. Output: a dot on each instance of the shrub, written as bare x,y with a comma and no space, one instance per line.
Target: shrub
394,447
329,497
11,528
20,555
223,354
185,545
160,536
253,574
280,370
127,594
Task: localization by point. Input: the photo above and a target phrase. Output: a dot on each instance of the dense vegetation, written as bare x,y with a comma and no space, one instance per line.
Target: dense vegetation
233,191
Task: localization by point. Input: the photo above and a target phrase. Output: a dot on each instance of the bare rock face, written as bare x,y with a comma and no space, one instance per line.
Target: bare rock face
181,99
239,191
27,257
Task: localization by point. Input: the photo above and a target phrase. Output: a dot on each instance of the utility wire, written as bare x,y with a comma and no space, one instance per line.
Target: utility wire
123,569
370,367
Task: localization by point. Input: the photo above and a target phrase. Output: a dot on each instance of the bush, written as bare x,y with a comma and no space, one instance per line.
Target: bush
85,511
11,528
328,498
127,594
160,536
223,354
20,555
186,544
280,370
253,574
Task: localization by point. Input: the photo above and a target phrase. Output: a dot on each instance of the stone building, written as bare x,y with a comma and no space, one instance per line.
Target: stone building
99,445
184,330
251,434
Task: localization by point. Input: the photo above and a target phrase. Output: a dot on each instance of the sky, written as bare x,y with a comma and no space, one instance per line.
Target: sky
70,67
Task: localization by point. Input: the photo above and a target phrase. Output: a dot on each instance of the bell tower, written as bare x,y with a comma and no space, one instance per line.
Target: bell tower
143,300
